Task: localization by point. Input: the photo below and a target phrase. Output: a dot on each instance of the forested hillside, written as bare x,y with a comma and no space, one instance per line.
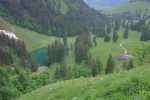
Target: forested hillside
53,17
12,51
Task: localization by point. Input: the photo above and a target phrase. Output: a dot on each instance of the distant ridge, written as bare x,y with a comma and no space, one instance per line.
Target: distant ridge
100,4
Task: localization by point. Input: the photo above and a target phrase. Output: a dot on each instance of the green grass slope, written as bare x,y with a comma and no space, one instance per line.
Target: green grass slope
32,39
131,7
104,49
132,85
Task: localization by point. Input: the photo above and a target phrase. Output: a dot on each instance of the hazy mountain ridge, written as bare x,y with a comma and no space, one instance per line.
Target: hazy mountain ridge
99,4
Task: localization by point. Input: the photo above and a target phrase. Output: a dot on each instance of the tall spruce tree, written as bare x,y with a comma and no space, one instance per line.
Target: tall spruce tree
94,68
65,39
145,36
124,24
126,32
94,40
109,28
115,36
63,70
107,38
110,65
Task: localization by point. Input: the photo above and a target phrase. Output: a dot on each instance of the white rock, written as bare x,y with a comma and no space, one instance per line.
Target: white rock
9,34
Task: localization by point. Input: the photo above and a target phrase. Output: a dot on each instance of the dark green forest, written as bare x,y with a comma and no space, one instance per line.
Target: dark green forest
53,17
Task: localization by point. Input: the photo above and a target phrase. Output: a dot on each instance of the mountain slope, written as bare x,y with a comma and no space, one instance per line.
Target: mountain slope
52,17
32,39
141,6
99,4
118,86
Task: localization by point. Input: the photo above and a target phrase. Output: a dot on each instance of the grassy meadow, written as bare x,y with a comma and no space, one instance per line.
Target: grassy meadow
131,7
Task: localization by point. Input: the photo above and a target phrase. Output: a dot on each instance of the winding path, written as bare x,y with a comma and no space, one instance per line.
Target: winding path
121,46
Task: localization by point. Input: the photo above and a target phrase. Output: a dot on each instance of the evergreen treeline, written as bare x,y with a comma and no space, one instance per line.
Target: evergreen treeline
13,53
53,17
9,48
5,58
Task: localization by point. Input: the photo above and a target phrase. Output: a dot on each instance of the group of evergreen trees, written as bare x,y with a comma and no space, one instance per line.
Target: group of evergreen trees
5,58
112,27
81,48
57,51
93,68
10,47
13,52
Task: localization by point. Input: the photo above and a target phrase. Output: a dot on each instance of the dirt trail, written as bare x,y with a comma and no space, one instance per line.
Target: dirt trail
122,47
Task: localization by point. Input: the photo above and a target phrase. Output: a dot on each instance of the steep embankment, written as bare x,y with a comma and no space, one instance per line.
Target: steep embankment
118,86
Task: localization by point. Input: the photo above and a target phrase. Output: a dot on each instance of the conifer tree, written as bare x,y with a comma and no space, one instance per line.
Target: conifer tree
124,24
63,70
109,29
131,65
126,32
117,26
145,36
57,73
115,36
99,64
94,68
110,65
94,40
34,66
65,39
107,38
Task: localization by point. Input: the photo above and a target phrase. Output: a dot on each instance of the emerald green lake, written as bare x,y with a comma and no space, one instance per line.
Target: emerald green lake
40,56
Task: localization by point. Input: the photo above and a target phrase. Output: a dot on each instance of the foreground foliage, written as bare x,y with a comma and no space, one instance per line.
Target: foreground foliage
124,85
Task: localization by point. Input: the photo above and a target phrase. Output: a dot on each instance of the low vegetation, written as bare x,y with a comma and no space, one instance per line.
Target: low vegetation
124,85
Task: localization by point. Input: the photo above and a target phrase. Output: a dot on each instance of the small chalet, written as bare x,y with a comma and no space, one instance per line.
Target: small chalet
124,57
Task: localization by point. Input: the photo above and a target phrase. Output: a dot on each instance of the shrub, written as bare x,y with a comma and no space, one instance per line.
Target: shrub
81,71
7,93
